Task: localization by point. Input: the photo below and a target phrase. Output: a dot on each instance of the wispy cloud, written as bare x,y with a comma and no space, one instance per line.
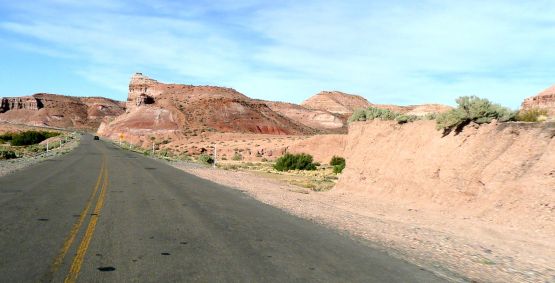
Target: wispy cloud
402,52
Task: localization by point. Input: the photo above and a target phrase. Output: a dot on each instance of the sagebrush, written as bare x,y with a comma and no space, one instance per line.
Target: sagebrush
373,113
7,154
206,159
338,164
532,115
472,109
290,161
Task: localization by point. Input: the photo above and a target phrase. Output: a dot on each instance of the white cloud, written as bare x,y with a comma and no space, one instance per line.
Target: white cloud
403,52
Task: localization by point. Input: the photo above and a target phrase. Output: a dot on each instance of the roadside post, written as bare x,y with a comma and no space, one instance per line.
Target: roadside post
215,156
46,146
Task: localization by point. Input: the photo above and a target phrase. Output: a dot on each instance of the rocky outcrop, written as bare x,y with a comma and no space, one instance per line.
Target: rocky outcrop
14,103
43,109
544,100
176,109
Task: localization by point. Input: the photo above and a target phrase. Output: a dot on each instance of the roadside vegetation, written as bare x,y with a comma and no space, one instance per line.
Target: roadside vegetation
373,113
290,161
7,154
28,143
532,115
473,109
470,109
338,164
27,137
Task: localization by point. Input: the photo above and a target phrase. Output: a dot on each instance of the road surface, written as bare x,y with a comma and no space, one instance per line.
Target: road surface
103,214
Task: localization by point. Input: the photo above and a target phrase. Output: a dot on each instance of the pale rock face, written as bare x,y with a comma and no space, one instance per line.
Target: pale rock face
544,100
316,119
142,91
336,102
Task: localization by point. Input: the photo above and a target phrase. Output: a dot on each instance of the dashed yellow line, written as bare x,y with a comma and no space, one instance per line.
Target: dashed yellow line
82,249
77,226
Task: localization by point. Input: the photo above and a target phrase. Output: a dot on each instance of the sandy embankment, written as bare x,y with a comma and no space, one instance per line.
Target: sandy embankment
480,203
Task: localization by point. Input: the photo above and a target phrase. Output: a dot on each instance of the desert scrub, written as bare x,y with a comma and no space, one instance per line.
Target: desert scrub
338,164
402,119
300,161
7,154
237,156
205,159
372,113
30,137
532,115
472,109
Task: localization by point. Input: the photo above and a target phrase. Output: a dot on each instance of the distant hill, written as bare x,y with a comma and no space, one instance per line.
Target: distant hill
43,109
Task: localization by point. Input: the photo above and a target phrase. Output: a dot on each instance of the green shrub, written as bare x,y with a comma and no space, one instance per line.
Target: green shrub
206,159
289,161
338,164
402,119
337,160
472,109
530,115
372,113
338,168
430,116
237,156
31,137
6,137
7,154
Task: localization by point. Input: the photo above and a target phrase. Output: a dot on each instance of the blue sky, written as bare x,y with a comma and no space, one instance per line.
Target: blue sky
401,52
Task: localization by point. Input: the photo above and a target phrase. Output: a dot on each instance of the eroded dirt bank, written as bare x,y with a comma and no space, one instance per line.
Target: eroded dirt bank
478,204
501,173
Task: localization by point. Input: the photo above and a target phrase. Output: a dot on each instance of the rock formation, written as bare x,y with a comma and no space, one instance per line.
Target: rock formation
43,109
14,103
544,100
320,120
154,107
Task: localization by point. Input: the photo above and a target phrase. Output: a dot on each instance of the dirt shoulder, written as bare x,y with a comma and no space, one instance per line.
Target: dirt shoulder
11,165
447,245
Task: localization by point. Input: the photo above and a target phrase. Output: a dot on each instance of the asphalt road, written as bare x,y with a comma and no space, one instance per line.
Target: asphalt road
102,214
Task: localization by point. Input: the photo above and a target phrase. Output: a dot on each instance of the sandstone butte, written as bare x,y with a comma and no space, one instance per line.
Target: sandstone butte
43,109
154,108
544,100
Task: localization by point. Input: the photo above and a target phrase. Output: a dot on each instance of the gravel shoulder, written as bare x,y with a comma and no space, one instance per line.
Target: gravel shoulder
12,165
448,245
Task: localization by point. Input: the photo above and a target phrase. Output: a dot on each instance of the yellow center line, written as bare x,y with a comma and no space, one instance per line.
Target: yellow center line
77,226
82,249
